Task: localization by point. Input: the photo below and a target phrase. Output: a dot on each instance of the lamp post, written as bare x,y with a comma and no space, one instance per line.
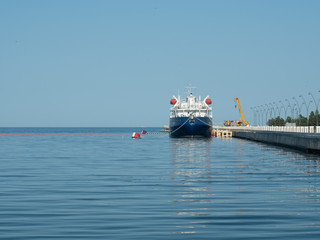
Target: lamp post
263,111
254,115
274,103
258,115
268,110
307,107
304,102
272,111
289,105
308,111
285,110
299,110
317,106
295,113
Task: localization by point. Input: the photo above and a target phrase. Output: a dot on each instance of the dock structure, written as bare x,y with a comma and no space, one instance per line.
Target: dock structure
306,139
224,133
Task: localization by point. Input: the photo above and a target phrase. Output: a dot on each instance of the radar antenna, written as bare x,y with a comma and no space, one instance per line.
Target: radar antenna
189,88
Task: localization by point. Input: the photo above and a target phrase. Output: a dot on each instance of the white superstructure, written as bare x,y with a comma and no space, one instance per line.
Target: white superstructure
191,106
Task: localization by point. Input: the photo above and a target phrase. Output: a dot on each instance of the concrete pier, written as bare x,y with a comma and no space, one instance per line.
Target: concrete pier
307,141
221,133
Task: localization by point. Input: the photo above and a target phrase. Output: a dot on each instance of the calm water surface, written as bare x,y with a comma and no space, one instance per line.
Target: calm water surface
114,187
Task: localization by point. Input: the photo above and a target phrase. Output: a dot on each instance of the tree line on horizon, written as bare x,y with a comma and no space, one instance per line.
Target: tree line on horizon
312,120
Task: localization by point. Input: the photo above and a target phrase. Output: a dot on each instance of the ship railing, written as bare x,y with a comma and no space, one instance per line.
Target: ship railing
294,129
186,113
176,111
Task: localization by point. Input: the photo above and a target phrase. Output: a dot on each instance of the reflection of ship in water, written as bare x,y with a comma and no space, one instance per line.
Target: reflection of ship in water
191,180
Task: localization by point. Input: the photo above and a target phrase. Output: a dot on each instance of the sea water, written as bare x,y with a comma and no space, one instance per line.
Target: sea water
116,187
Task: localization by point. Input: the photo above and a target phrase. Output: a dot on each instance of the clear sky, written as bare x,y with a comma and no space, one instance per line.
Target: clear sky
79,63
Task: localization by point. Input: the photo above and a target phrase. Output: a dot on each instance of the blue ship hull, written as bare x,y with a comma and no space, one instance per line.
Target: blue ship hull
188,128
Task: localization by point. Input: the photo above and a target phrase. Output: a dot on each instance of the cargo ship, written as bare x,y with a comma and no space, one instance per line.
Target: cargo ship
190,117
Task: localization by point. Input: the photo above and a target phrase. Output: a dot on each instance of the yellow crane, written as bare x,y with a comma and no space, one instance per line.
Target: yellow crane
242,121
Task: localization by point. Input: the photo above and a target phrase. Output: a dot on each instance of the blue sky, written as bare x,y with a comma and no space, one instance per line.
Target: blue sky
118,63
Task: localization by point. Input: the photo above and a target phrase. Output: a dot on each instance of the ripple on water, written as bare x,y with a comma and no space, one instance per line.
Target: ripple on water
113,187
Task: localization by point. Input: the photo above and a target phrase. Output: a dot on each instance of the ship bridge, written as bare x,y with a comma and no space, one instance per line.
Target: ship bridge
191,107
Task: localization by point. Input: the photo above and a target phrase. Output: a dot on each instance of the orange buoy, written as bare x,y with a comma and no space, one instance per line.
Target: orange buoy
208,101
173,101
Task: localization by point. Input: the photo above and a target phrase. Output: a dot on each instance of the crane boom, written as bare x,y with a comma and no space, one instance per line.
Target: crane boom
242,119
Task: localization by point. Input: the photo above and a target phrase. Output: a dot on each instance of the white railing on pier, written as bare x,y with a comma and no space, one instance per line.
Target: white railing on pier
310,129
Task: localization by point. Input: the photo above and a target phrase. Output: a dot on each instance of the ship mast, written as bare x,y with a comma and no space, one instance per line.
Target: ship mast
189,88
